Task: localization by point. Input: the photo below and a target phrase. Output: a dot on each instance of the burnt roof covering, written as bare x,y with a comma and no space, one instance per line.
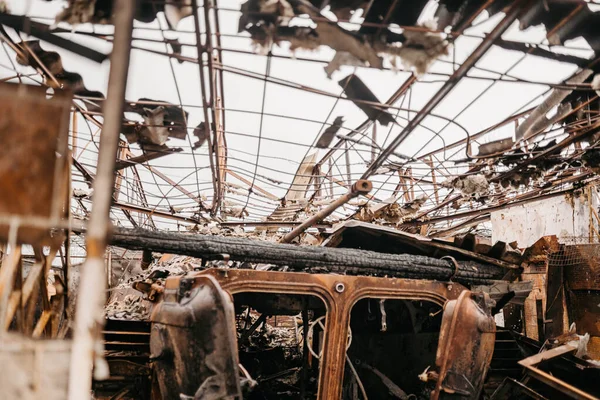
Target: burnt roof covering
366,236
458,179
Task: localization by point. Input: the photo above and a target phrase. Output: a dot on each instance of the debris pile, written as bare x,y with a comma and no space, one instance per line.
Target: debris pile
390,212
131,307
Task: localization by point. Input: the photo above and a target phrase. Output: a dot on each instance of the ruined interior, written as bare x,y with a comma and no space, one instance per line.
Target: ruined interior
299,199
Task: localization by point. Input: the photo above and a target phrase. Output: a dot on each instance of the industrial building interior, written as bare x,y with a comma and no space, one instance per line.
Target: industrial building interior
299,199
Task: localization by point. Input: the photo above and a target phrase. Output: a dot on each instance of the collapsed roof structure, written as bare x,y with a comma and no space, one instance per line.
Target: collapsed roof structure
397,127
452,169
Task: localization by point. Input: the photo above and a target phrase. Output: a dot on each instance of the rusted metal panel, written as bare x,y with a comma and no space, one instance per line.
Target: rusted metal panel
531,363
34,166
583,311
556,312
338,292
465,347
193,342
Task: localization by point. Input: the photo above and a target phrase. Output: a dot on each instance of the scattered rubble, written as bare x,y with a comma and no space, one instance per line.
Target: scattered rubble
131,307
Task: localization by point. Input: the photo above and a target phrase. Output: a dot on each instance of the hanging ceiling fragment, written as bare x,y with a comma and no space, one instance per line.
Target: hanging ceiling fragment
100,11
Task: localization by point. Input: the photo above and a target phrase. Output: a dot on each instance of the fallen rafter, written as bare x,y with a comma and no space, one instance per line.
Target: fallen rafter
345,261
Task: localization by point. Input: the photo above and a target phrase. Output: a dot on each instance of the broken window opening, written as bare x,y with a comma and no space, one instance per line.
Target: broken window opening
271,332
393,341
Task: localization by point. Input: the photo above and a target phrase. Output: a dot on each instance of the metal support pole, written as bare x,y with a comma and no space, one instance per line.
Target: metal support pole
89,316
362,186
205,106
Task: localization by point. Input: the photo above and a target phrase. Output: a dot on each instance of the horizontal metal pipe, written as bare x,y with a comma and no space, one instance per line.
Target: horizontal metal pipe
361,186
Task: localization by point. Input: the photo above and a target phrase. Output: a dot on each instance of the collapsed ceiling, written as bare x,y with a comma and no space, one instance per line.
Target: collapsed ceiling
450,108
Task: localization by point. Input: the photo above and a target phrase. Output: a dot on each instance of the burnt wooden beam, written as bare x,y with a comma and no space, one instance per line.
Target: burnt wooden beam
147,156
45,33
540,52
337,260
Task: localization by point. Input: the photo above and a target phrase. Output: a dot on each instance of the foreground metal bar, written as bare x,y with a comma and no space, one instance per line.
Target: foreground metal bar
90,303
511,15
360,187
205,106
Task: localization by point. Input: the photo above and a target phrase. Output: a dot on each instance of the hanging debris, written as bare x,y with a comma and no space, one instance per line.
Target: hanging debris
365,99
49,64
419,50
154,132
340,59
100,11
329,134
202,134
268,24
161,121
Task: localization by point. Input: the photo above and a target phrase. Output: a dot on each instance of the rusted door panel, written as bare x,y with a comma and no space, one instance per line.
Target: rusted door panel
465,347
193,341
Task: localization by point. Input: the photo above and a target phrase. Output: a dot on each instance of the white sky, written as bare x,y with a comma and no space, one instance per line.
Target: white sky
151,77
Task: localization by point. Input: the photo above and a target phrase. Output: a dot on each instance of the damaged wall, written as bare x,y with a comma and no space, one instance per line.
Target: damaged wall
564,216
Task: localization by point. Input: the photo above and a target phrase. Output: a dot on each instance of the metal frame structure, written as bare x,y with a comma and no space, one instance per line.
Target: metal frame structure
338,293
424,172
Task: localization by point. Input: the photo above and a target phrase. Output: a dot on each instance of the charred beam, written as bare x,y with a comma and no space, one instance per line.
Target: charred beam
539,52
345,261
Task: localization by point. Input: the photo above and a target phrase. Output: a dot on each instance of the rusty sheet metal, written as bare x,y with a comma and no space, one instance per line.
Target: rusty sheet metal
424,244
530,364
338,292
465,347
178,341
34,166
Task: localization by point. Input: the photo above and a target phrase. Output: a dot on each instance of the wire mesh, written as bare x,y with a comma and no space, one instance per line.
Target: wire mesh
576,251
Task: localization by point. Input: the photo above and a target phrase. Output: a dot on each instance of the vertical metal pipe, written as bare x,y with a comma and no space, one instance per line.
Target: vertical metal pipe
205,106
89,315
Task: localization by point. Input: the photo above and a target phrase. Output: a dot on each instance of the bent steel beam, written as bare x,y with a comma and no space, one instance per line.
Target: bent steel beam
511,15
